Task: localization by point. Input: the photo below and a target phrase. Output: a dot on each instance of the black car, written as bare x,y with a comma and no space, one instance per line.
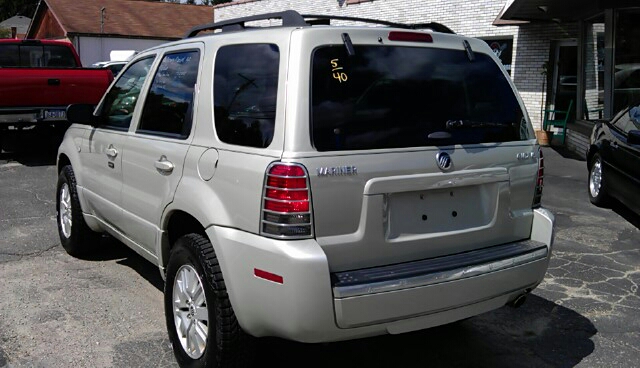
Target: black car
613,159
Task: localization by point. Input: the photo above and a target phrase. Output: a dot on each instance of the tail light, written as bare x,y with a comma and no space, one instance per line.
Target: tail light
537,196
286,202
410,36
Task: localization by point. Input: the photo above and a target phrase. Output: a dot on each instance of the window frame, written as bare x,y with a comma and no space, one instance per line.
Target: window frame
154,71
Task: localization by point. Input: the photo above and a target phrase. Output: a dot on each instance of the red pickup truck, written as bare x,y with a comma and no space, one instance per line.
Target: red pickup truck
40,78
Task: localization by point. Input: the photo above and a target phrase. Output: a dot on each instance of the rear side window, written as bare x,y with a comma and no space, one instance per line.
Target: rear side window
53,56
244,93
169,105
9,56
395,97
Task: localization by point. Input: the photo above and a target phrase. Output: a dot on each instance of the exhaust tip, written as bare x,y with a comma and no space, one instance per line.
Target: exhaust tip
518,301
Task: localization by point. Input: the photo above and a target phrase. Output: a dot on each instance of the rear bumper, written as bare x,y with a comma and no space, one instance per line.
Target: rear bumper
307,306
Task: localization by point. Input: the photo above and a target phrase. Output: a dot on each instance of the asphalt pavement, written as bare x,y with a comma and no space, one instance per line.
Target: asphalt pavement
106,310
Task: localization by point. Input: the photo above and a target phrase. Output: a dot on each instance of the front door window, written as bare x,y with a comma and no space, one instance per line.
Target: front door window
119,103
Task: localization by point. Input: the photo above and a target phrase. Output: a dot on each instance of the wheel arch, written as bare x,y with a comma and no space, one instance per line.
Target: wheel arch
176,224
593,149
63,160
69,154
194,208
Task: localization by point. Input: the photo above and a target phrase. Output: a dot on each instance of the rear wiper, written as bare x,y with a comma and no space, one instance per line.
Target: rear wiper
458,124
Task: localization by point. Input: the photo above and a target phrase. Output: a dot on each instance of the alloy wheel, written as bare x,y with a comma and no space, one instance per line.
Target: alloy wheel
190,312
595,179
65,211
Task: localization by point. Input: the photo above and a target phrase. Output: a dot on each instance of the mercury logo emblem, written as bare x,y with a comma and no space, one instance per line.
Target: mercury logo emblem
444,160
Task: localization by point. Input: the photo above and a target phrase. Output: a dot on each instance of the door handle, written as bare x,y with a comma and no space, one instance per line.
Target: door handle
164,165
111,152
614,144
53,82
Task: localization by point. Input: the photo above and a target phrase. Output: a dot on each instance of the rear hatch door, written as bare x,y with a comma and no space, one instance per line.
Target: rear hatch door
416,150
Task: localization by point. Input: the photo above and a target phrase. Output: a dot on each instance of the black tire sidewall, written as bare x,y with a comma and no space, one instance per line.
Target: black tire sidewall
72,244
185,253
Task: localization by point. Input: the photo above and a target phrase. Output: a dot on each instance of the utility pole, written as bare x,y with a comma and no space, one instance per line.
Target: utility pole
102,19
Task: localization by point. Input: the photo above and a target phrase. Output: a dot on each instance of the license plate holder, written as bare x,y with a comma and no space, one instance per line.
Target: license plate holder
441,210
55,115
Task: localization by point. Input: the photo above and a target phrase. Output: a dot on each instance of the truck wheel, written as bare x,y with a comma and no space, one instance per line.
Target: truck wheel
597,184
202,326
76,237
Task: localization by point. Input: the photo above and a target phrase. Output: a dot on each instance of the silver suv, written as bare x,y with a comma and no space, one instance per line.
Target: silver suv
312,182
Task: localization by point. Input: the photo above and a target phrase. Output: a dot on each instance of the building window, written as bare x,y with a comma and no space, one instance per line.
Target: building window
594,68
503,49
626,80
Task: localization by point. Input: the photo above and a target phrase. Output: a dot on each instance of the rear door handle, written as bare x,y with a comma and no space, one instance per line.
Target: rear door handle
164,165
111,152
53,82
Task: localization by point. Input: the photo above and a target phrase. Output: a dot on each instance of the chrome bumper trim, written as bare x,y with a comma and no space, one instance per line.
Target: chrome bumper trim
437,270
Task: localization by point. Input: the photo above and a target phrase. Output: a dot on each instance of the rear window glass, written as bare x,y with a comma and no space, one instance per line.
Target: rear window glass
244,94
36,56
395,97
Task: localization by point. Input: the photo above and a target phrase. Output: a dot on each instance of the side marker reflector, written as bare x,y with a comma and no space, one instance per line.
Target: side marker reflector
268,276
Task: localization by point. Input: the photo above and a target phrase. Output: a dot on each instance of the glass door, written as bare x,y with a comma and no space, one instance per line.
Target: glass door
565,76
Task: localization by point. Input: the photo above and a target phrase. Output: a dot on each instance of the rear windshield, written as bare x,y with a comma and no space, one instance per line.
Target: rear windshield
36,56
395,97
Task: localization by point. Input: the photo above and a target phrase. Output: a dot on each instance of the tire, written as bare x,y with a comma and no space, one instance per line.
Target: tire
597,182
76,237
221,343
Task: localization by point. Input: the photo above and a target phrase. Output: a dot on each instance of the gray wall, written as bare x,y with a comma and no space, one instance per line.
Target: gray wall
94,49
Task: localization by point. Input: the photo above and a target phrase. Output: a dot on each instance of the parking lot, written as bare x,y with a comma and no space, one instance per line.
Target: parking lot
106,310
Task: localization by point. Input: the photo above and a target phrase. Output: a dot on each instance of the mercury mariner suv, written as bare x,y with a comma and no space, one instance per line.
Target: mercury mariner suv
311,181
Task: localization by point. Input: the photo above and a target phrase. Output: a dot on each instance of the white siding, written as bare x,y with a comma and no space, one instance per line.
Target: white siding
94,49
466,17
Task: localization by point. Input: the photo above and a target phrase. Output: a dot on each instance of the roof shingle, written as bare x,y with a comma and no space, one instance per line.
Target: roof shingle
131,18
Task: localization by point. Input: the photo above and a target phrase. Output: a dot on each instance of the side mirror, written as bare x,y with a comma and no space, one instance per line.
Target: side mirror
633,137
82,114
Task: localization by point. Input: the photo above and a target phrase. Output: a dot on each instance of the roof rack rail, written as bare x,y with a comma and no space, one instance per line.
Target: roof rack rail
438,27
291,18
435,26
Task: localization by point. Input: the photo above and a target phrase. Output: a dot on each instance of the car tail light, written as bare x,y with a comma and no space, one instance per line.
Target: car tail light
537,196
286,202
410,36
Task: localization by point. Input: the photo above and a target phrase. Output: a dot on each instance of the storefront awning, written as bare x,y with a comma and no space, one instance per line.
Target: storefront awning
517,11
